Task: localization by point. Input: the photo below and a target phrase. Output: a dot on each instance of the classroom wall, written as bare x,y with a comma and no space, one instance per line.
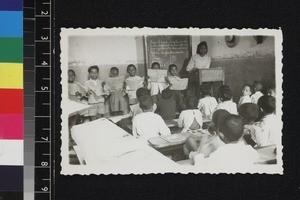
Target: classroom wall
106,52
245,63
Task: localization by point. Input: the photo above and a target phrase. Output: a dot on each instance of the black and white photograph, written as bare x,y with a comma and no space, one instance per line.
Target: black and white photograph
149,100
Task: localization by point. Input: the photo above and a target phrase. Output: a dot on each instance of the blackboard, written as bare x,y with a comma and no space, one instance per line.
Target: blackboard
168,50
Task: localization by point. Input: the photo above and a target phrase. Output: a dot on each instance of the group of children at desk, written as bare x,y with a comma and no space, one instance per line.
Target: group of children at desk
233,131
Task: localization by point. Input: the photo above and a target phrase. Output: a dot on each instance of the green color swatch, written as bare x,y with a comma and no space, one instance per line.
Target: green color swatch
11,50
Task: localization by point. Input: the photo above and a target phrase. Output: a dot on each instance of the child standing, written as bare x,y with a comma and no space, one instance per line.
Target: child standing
116,101
172,78
190,119
269,133
156,88
207,104
132,83
245,98
96,91
257,87
148,124
226,101
166,106
234,155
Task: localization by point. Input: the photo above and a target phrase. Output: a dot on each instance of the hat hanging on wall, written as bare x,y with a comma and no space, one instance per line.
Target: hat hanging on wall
230,40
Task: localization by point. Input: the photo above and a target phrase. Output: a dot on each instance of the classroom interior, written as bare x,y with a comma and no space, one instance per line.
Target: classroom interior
249,60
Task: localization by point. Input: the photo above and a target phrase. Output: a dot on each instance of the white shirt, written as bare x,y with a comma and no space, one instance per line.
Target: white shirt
244,99
256,96
207,105
186,119
230,156
269,133
198,62
149,124
229,106
98,90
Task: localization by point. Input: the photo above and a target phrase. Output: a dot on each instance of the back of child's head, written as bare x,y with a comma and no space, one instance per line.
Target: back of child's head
257,86
166,93
146,102
267,104
93,67
142,92
217,118
225,93
249,112
205,89
155,65
192,102
232,127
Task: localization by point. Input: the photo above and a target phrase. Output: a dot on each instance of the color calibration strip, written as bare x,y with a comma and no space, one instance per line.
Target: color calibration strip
11,101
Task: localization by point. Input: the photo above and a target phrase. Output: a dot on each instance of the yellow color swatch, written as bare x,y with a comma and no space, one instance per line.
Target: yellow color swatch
11,75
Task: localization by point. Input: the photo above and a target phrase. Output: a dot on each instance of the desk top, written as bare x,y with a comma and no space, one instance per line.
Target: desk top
74,107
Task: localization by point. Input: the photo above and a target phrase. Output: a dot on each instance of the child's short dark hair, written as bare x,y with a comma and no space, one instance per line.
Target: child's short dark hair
131,65
114,68
155,63
205,89
93,67
218,117
146,102
249,112
71,70
267,104
232,127
201,44
225,94
171,66
166,93
192,102
257,85
142,92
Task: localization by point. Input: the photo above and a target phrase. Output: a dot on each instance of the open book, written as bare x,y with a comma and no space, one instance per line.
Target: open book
134,84
157,75
115,83
181,84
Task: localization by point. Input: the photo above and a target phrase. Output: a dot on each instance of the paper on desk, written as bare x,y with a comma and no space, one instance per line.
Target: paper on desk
115,119
157,75
181,84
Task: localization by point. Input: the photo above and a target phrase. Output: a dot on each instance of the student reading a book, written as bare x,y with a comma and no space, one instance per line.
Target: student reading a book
245,98
136,109
226,101
190,119
207,104
118,105
198,61
257,88
166,106
173,79
249,112
97,91
132,83
156,88
235,154
210,141
148,124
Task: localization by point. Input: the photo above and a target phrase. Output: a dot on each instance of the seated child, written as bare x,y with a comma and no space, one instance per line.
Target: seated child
221,91
136,109
97,92
190,119
269,134
226,101
148,124
166,106
210,141
249,112
245,98
257,87
117,101
132,83
271,91
234,155
75,90
207,104
156,88
171,79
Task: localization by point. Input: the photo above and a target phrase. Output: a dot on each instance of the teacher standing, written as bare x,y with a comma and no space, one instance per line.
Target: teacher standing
198,61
